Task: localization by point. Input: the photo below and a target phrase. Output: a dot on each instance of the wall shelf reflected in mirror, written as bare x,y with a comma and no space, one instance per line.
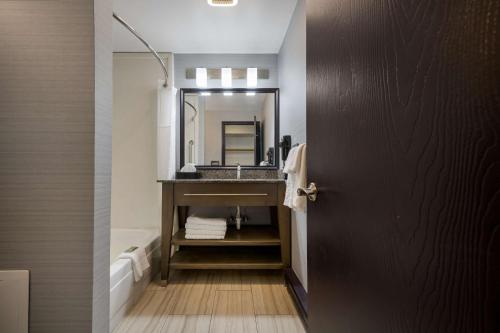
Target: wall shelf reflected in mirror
220,130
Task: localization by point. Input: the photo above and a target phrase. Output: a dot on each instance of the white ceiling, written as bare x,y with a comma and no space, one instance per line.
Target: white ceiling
192,26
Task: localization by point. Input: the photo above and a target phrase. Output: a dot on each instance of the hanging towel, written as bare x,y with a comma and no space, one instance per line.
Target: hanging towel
295,168
290,169
290,185
300,202
291,161
139,261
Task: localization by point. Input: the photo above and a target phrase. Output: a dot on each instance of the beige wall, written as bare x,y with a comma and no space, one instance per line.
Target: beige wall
55,123
136,201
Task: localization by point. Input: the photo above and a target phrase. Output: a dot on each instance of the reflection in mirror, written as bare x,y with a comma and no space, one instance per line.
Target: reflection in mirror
223,129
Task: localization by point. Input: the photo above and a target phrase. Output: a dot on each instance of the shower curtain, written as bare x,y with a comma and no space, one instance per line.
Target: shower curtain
166,142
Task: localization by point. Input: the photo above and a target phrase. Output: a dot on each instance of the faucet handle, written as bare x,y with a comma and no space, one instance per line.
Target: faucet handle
238,170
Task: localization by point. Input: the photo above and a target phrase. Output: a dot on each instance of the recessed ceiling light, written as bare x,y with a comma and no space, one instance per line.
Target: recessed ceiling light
223,3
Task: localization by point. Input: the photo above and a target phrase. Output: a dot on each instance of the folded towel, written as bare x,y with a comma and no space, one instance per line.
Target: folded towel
139,261
296,170
194,226
205,221
204,236
205,232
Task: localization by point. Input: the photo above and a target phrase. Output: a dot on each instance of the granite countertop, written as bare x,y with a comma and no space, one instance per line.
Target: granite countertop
229,176
222,180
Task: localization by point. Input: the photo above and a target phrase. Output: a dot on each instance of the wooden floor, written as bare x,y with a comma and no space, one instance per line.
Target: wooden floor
215,302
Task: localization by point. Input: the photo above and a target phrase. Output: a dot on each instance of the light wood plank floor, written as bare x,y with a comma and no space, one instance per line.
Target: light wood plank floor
215,302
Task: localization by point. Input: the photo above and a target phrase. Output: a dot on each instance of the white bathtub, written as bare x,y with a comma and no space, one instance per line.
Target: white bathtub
124,291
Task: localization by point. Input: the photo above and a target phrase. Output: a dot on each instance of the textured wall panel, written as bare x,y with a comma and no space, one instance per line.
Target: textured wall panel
102,181
47,157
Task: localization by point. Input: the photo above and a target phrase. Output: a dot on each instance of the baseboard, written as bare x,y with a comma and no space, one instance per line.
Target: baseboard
298,293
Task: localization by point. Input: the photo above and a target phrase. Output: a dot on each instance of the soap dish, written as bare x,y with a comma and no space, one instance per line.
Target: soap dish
188,175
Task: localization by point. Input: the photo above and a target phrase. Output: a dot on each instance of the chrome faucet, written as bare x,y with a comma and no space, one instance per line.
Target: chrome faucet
238,171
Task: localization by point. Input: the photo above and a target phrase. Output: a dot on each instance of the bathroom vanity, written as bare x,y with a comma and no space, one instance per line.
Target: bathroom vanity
251,247
221,132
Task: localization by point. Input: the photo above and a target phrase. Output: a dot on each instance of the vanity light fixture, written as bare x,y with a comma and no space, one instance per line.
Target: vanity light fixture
252,77
222,3
201,77
226,74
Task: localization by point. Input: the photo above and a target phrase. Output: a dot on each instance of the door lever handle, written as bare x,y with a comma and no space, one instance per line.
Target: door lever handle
311,192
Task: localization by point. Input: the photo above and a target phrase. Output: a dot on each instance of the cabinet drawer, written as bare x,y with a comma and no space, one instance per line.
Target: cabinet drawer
225,194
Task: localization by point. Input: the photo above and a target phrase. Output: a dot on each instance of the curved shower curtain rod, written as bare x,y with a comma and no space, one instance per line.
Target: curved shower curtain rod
132,30
195,110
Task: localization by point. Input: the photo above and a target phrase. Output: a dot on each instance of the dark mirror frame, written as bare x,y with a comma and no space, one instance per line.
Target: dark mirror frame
275,91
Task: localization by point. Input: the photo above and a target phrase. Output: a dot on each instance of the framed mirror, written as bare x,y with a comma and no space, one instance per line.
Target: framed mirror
221,128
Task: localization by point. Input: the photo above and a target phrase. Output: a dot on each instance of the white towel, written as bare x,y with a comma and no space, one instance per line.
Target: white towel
290,185
205,236
195,220
194,226
291,161
205,232
300,202
296,169
139,261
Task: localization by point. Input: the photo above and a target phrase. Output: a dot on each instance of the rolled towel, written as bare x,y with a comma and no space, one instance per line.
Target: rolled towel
139,261
195,226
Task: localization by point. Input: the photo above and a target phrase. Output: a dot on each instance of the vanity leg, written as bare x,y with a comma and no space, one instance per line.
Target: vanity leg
167,222
183,210
284,218
273,211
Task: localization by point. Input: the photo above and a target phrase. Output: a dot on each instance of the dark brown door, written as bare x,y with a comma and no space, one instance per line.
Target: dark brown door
403,129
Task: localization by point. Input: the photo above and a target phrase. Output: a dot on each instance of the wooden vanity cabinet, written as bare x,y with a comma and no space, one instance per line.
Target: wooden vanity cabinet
251,247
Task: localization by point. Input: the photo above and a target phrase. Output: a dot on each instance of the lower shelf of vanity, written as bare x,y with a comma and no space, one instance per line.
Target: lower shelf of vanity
227,258
252,247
